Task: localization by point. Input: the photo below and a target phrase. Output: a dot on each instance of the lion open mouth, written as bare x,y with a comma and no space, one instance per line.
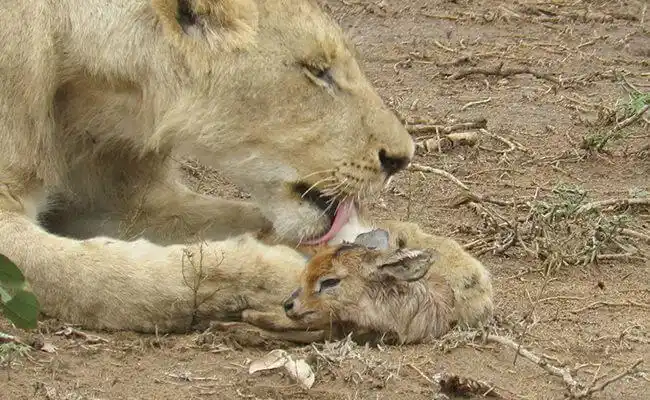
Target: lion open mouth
338,211
344,211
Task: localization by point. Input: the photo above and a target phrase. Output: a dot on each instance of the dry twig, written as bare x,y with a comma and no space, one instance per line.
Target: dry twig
576,389
498,70
475,103
598,304
630,120
440,172
443,143
189,378
428,128
601,386
563,373
70,332
612,202
6,338
635,234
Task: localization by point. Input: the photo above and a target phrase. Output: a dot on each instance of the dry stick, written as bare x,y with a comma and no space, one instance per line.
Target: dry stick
632,119
443,143
563,373
511,146
601,386
72,332
598,304
473,243
635,234
192,378
439,16
418,129
592,41
498,70
612,202
442,46
619,256
470,197
560,298
475,103
6,338
420,372
440,172
577,390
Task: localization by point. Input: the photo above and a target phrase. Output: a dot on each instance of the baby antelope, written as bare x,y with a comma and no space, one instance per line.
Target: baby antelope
371,289
402,288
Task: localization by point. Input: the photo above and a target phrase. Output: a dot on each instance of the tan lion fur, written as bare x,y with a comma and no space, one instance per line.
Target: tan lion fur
99,99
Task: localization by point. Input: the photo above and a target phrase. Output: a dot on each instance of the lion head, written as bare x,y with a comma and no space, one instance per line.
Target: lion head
271,93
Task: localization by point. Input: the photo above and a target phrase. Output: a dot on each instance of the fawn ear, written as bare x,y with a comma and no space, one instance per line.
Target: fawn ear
405,264
375,239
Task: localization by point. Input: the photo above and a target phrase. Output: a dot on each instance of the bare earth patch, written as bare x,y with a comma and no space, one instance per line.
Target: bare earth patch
533,134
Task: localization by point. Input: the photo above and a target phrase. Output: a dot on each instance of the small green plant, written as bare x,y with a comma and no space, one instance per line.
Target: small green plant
597,140
11,351
17,303
637,103
622,116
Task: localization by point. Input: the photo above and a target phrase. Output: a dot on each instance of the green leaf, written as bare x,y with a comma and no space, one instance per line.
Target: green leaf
10,275
22,310
4,295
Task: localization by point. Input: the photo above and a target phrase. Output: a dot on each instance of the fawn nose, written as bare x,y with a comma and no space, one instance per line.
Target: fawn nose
392,164
288,305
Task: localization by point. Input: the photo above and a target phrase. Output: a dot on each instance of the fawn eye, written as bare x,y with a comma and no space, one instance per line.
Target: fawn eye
328,283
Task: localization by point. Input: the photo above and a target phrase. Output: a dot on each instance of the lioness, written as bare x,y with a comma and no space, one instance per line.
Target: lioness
99,98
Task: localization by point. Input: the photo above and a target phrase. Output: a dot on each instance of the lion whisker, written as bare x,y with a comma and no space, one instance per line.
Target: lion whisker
325,171
332,191
329,178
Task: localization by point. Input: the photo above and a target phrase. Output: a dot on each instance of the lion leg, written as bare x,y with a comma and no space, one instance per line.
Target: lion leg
272,321
172,213
164,213
102,283
298,336
279,324
468,277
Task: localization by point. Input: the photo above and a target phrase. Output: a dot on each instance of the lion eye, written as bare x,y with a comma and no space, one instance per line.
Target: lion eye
328,283
322,74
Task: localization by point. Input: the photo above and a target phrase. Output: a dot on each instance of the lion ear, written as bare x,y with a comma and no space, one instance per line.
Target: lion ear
221,23
188,18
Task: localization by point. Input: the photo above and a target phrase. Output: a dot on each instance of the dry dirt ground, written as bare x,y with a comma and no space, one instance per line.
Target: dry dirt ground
547,95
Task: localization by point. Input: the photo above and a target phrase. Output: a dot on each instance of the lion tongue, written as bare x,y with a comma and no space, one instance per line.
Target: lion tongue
341,217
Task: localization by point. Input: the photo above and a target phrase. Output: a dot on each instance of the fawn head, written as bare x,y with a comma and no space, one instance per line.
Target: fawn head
370,286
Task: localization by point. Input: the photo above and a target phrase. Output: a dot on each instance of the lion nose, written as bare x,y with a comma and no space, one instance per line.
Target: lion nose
391,164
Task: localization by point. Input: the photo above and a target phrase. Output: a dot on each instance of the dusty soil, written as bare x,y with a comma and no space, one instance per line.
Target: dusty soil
545,127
